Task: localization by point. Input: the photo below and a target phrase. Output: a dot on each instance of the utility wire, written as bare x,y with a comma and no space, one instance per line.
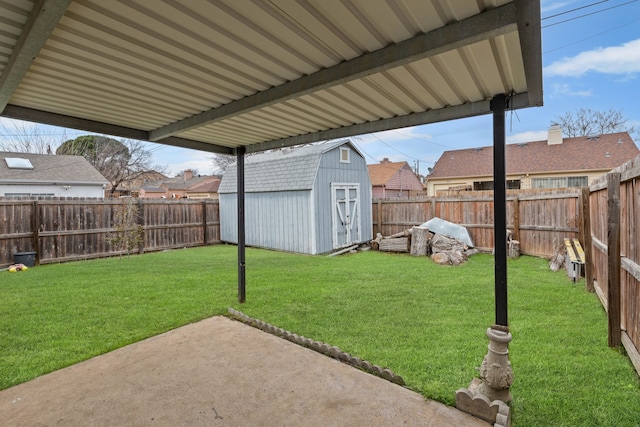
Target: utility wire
593,36
395,149
573,10
589,14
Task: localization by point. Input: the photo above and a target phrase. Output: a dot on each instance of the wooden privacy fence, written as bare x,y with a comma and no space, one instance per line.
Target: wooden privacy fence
613,256
605,218
72,229
539,220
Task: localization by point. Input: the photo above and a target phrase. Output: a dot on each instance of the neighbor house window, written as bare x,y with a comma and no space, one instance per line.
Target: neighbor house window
482,185
344,155
513,184
29,194
560,182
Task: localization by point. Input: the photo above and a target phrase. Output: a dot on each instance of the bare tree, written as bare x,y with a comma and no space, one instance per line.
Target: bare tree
118,161
221,162
129,233
194,172
17,136
586,121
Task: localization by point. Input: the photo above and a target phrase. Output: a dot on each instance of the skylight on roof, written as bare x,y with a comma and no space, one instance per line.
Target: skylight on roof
18,163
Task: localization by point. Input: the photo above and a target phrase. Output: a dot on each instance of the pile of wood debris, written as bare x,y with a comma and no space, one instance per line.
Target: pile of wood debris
419,241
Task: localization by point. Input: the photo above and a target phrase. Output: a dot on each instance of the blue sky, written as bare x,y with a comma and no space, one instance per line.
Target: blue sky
588,62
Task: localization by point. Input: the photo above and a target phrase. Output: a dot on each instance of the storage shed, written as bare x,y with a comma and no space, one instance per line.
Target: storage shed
309,199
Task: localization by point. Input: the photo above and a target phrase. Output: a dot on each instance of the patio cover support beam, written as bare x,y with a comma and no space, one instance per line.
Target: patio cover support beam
498,106
241,226
528,18
41,22
54,119
486,25
469,109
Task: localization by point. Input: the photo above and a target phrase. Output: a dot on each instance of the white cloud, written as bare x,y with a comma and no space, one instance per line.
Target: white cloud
634,123
622,60
550,6
12,124
202,166
566,90
394,135
528,136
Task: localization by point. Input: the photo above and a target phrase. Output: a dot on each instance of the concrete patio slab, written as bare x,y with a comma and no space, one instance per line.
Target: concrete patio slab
218,372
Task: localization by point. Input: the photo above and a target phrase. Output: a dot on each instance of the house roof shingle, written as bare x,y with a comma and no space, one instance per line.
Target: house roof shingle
574,154
179,183
205,187
381,173
48,168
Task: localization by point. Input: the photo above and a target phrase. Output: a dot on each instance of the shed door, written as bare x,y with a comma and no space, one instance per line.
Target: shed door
346,214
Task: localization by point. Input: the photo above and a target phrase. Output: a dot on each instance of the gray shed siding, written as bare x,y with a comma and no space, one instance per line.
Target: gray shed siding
288,199
279,220
332,171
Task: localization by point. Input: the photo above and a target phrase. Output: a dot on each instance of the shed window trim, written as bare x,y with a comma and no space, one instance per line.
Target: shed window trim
345,155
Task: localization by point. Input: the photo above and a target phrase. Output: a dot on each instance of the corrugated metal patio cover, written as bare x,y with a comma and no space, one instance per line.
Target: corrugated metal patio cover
220,74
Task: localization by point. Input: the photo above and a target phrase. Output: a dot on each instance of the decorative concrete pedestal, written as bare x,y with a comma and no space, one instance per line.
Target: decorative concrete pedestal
487,398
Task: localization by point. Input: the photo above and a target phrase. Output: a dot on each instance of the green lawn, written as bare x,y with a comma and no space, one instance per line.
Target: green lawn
425,322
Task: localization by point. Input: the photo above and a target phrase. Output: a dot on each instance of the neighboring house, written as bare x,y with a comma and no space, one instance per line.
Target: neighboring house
152,191
132,187
179,187
310,199
42,175
555,163
182,187
205,190
393,179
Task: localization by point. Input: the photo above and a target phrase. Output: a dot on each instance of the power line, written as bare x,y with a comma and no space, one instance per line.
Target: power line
398,151
593,36
573,10
589,14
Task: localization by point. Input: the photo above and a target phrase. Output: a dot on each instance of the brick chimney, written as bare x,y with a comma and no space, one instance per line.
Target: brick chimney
385,160
188,174
555,135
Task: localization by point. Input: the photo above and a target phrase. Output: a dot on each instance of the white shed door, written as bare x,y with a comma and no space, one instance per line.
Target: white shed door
346,214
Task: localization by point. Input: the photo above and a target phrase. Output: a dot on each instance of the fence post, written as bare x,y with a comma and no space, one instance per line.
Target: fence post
379,217
35,226
204,224
585,231
516,218
613,258
141,222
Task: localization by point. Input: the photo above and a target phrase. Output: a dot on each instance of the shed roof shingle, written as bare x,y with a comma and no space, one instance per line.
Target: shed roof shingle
266,171
574,154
